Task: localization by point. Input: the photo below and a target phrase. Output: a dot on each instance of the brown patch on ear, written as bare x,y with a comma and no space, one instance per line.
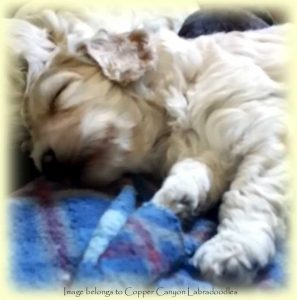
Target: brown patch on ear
123,58
141,38
138,36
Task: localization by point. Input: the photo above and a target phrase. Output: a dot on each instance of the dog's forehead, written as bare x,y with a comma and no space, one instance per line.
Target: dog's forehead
72,63
70,84
66,68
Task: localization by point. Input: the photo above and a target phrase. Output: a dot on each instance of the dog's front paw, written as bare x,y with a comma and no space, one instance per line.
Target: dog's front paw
226,261
175,196
185,190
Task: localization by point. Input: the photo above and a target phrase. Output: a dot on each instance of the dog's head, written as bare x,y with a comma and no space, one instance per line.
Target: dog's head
82,119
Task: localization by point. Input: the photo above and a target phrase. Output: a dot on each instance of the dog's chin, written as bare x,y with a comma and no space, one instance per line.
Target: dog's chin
98,177
85,181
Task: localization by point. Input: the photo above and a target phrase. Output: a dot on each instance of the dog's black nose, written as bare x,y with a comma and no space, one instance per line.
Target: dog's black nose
50,165
57,170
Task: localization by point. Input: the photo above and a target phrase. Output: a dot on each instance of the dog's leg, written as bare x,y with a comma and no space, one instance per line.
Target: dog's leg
193,185
251,219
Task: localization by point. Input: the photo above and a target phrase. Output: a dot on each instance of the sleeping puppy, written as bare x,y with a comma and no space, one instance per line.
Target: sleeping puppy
36,34
207,115
209,21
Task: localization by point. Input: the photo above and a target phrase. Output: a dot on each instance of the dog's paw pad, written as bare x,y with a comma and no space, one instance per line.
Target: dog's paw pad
225,261
182,204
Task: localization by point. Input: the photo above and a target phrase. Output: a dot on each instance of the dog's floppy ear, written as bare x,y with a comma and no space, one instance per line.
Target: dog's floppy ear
123,58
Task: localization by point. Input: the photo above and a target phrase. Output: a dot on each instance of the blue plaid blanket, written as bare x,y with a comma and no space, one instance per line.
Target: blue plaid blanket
61,237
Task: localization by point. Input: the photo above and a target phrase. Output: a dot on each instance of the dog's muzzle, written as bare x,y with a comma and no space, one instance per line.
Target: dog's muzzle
56,170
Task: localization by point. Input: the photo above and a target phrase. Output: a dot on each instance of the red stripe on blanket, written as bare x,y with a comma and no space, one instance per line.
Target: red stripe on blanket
149,247
54,228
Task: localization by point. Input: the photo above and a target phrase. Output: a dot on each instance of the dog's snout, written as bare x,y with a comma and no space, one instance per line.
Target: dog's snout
48,157
49,164
59,170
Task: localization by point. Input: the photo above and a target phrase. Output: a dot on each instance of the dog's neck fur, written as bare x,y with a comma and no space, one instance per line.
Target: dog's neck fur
177,66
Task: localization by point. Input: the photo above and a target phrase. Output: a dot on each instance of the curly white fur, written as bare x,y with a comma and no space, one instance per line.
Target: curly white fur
236,109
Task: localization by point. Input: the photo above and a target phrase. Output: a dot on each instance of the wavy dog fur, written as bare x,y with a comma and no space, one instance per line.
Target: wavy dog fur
207,115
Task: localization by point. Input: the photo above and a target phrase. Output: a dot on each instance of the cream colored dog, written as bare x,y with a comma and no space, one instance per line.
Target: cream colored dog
208,115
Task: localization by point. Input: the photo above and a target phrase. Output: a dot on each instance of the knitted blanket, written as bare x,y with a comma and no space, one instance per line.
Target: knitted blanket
65,238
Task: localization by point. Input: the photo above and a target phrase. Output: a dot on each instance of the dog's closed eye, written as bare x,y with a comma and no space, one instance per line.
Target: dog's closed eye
53,101
51,90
